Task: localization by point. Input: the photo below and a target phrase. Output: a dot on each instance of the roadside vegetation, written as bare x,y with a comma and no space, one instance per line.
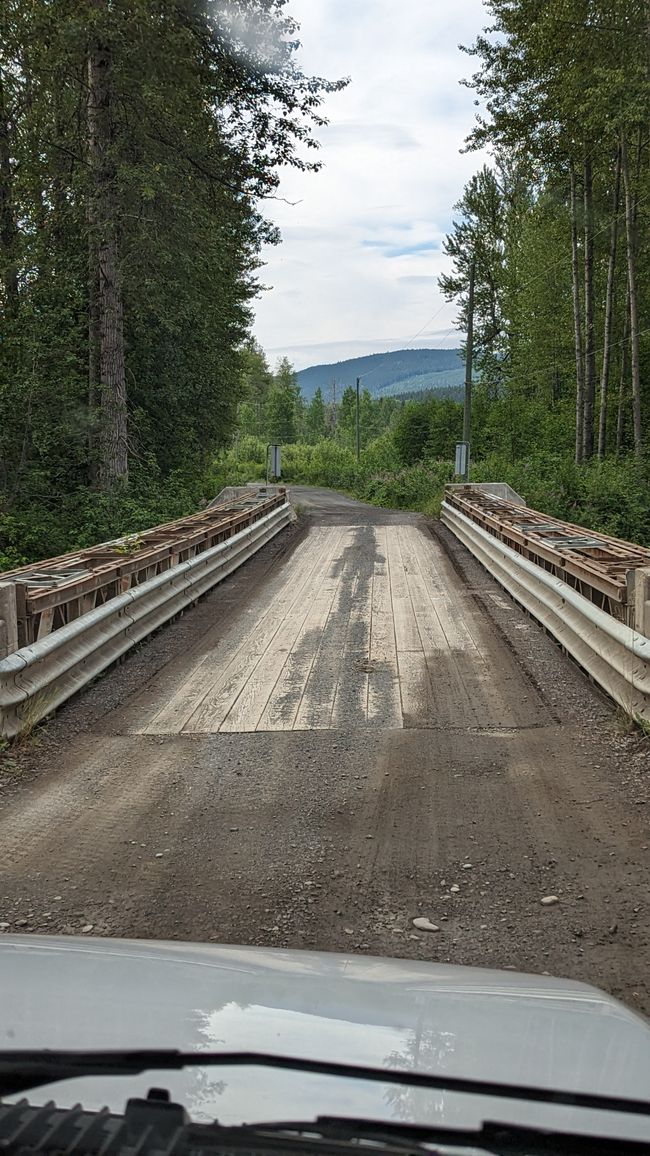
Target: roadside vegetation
407,453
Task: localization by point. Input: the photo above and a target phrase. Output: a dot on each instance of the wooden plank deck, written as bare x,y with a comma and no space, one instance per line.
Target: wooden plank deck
363,627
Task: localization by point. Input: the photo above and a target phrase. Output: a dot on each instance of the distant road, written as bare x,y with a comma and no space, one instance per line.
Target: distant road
356,729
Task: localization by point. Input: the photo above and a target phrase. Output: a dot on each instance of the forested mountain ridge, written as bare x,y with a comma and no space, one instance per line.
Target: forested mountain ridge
382,373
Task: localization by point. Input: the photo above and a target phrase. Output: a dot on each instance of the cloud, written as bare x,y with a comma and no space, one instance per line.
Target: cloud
390,250
363,248
410,250
415,279
384,137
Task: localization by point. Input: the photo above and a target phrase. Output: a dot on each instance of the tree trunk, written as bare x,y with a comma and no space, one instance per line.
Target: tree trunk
93,303
590,344
7,218
93,351
630,235
108,320
620,416
577,322
609,312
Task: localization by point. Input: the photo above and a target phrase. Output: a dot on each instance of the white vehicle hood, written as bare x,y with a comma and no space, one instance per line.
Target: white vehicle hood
456,1021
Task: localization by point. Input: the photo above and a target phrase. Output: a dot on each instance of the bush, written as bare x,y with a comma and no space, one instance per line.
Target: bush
611,496
418,487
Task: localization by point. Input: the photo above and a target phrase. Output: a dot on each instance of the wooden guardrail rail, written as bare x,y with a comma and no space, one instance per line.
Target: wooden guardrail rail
591,591
41,598
131,597
601,568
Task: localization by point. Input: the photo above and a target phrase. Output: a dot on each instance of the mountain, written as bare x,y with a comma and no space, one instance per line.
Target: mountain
387,374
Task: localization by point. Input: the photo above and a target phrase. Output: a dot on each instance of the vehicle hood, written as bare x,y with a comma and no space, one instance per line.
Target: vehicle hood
427,1017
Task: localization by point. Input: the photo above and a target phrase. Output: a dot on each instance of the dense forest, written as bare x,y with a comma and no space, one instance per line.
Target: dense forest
138,143
556,231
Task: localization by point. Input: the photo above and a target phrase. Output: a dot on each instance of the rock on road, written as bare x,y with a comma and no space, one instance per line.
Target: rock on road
356,730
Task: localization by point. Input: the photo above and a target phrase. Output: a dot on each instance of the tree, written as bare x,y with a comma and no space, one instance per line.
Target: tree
411,432
280,415
138,143
347,417
566,89
257,380
316,417
105,290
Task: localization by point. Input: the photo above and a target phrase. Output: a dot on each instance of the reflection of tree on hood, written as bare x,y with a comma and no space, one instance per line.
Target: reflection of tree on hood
426,1050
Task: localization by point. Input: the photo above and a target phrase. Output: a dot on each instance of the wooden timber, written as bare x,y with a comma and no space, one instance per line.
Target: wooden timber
600,567
51,593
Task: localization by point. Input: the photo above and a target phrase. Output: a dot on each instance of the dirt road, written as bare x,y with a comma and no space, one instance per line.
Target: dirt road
356,729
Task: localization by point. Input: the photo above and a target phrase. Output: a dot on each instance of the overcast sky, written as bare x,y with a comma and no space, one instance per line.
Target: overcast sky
356,272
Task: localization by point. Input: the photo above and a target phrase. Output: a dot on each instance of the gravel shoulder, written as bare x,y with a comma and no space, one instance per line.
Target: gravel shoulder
339,839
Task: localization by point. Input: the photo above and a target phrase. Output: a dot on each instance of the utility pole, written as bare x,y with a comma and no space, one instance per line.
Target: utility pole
469,349
358,422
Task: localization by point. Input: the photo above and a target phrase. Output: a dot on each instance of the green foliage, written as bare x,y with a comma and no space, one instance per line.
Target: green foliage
201,107
85,517
315,418
557,229
427,429
281,415
418,487
612,497
411,432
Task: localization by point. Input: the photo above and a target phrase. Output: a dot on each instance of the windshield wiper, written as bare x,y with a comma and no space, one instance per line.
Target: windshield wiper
21,1070
506,1139
155,1126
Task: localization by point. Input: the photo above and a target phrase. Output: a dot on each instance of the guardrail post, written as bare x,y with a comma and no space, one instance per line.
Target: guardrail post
642,601
8,619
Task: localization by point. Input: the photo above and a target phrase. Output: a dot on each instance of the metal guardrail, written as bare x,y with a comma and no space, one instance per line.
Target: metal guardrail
616,656
43,597
599,566
38,678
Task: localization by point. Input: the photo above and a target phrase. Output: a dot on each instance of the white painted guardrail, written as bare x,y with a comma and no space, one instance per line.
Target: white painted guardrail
616,656
35,680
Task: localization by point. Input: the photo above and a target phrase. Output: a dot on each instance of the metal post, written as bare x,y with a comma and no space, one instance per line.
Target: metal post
467,407
358,423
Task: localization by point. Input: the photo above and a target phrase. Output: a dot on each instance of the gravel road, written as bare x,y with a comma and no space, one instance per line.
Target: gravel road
502,779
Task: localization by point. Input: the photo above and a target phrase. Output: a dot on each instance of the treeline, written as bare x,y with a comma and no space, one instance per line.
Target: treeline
137,143
275,411
556,232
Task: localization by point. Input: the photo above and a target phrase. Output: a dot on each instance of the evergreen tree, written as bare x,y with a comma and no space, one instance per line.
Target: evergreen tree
132,183
315,421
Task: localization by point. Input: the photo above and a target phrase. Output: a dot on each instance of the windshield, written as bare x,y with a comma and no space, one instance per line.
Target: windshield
325,552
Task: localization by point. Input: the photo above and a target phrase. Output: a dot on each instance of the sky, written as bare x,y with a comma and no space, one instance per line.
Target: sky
357,270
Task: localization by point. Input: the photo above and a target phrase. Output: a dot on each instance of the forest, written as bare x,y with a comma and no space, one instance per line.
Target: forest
138,144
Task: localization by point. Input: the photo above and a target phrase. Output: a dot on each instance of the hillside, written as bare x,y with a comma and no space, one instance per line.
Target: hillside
386,374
